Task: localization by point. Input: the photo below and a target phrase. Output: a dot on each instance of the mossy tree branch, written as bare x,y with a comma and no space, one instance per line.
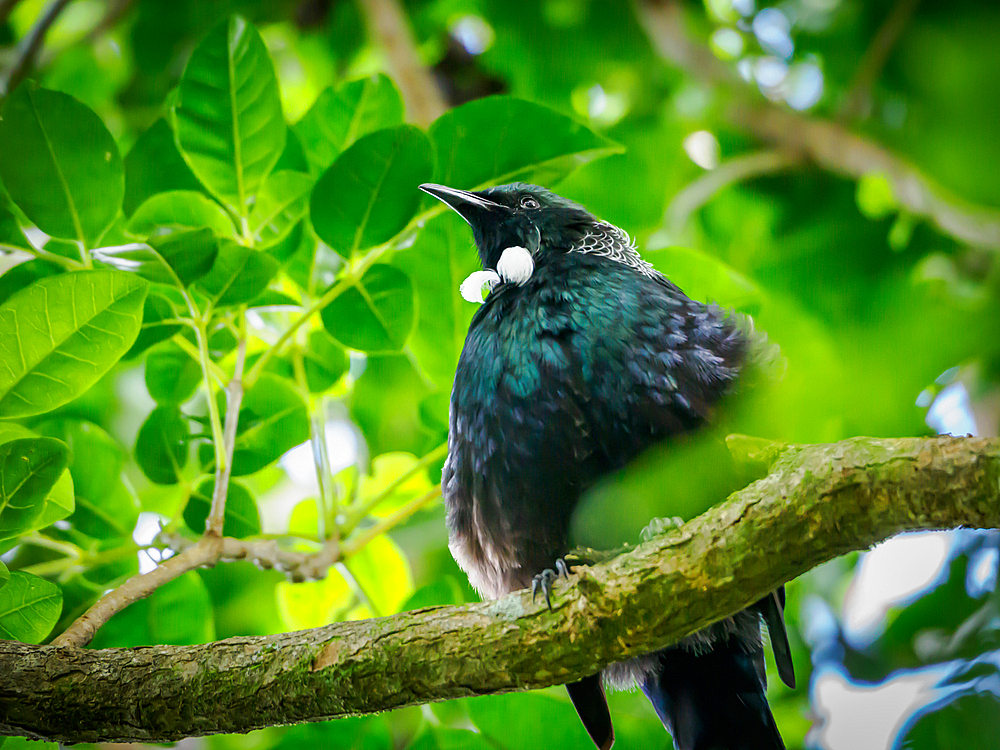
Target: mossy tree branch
816,502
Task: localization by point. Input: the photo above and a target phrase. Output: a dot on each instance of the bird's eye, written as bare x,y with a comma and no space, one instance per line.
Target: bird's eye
528,202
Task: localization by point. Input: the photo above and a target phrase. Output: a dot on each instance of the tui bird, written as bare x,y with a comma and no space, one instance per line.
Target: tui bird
581,357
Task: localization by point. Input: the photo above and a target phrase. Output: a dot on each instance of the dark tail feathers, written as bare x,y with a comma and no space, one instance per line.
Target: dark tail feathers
713,700
591,705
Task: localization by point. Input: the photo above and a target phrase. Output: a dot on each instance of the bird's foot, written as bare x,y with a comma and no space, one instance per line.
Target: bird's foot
660,526
543,581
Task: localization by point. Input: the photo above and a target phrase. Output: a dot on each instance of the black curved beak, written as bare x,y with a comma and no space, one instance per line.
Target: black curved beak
470,206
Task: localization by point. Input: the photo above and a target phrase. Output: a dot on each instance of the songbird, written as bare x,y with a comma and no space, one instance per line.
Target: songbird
582,356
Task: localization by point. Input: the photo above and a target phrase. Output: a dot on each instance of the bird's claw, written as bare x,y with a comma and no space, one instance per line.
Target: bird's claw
544,580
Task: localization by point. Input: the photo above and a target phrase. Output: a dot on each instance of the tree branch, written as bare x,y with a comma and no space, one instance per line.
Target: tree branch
857,101
30,47
826,143
817,502
389,29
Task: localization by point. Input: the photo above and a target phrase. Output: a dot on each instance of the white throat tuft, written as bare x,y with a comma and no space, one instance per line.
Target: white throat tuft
472,288
515,265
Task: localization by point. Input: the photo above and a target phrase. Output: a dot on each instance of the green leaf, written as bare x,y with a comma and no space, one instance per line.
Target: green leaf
368,195
161,447
270,298
105,508
544,721
154,165
282,201
242,519
238,275
284,249
24,275
180,209
11,233
180,612
228,121
59,502
4,574
438,262
59,164
343,114
380,568
387,469
29,469
138,258
172,375
273,420
29,608
324,361
159,323
445,590
875,196
386,406
706,278
61,334
375,314
500,139
383,572
191,253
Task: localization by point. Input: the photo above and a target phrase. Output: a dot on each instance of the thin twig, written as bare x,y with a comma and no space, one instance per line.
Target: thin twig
30,47
355,544
234,398
390,30
205,553
696,194
857,101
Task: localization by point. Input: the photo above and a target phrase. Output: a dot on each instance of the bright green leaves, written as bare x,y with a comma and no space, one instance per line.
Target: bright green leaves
161,447
375,314
501,139
242,519
439,260
60,164
61,334
282,201
228,123
177,258
238,275
380,570
105,507
342,115
29,470
273,419
704,277
368,195
179,209
29,608
172,376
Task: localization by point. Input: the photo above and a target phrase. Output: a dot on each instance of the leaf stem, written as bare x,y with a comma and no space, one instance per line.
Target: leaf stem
354,271
213,408
355,545
355,517
234,398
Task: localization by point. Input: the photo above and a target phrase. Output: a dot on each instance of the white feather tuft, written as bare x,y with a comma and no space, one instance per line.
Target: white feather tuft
515,265
472,287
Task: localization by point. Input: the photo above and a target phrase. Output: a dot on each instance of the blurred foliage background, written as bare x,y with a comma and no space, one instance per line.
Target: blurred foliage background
827,166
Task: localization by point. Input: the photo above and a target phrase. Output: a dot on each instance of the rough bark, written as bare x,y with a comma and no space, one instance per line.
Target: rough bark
816,502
